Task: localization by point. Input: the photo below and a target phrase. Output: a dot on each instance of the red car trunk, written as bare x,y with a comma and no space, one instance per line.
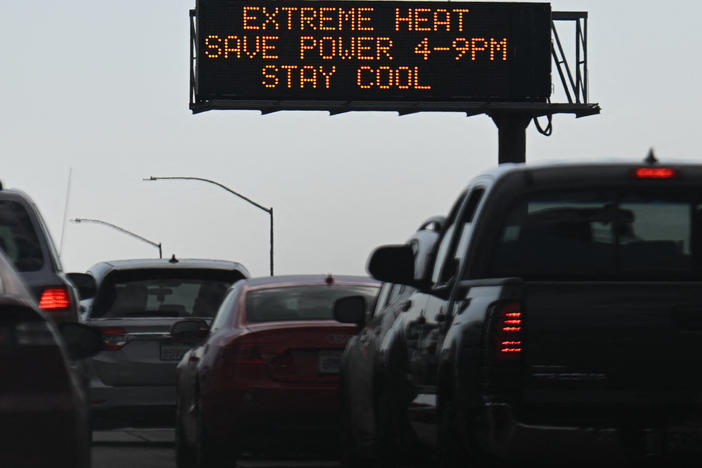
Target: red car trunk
300,352
276,353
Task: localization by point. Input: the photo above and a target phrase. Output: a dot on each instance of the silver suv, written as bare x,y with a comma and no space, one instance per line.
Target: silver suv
132,381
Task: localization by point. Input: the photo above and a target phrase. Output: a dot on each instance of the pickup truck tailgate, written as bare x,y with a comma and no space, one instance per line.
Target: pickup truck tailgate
617,344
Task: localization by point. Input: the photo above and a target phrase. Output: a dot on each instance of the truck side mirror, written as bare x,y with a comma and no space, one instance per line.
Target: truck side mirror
393,264
85,283
351,309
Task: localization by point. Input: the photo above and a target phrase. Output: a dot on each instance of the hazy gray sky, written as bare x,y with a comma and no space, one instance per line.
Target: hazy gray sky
102,88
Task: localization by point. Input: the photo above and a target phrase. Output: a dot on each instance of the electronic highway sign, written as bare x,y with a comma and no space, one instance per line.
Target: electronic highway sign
381,55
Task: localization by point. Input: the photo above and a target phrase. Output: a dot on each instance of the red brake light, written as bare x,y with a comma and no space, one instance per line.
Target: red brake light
655,173
114,338
509,333
54,299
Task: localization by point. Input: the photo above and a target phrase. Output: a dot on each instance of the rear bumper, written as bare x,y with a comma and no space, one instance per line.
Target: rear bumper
254,416
508,438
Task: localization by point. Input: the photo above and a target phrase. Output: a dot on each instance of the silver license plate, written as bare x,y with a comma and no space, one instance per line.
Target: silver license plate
173,352
329,362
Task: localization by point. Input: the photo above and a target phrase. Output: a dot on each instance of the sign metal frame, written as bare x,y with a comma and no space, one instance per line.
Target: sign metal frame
511,117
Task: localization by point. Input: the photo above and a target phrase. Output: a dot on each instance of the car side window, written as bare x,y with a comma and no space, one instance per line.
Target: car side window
467,228
441,254
452,247
18,237
388,296
396,292
381,301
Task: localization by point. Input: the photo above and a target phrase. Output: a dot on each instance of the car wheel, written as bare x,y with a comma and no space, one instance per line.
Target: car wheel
185,456
210,453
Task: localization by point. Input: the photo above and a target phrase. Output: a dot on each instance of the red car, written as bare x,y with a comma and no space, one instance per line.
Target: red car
266,372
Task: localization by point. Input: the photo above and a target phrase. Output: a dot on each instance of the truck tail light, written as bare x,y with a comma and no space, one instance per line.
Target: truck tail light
655,173
54,299
509,335
114,338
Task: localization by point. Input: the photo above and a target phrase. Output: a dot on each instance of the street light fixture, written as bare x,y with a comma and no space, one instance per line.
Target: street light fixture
130,233
246,199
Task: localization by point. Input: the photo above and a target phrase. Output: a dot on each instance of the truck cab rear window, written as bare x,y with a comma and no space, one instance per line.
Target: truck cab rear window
617,234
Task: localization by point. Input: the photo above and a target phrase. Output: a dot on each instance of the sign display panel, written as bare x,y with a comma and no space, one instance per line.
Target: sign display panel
381,51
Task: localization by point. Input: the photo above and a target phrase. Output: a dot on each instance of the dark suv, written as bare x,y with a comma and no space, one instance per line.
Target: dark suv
25,240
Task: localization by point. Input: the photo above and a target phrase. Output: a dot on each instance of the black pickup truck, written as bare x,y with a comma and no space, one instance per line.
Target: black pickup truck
562,319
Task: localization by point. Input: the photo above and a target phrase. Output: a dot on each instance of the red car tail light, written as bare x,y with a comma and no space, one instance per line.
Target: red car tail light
245,360
53,299
114,338
509,335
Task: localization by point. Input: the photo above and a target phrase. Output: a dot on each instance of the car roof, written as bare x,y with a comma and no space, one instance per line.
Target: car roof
292,280
102,269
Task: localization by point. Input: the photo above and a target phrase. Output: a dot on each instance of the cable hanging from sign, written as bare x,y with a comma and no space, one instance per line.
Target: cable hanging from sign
548,131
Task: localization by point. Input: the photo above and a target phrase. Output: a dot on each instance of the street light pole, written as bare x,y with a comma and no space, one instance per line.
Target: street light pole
246,199
114,226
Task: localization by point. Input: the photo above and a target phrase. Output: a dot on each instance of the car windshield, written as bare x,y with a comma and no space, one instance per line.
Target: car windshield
18,239
623,234
158,293
290,303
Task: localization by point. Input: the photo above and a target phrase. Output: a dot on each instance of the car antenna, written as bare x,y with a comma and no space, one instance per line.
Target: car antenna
173,259
651,158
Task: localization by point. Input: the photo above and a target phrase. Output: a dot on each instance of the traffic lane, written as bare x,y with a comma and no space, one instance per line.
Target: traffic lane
153,448
148,448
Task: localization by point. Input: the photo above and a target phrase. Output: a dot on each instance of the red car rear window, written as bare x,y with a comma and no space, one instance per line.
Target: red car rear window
290,303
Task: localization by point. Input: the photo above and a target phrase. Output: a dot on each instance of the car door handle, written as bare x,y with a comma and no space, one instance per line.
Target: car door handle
193,358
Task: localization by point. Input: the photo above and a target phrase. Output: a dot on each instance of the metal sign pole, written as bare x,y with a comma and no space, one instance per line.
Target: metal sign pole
511,129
